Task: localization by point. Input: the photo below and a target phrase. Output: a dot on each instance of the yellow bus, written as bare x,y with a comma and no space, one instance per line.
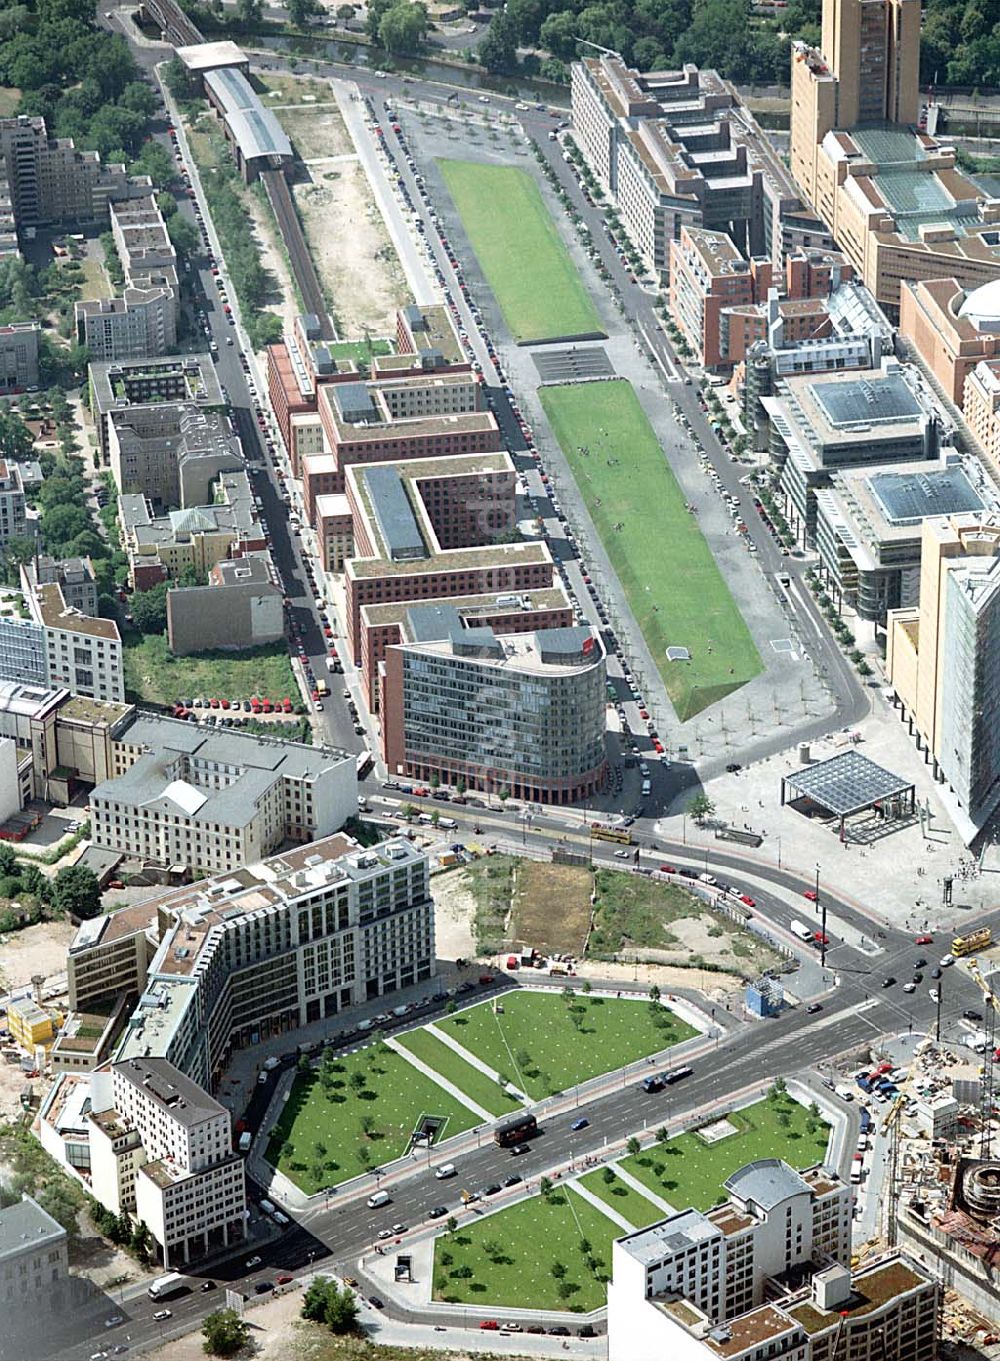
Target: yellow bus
602,833
975,940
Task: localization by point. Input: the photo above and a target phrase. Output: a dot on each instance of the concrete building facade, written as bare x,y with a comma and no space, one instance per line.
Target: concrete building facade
34,1254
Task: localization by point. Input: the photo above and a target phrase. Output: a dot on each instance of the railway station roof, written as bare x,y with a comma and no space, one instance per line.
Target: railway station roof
256,129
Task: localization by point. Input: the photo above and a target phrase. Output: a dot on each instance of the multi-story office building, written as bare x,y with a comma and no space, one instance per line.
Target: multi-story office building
517,612
212,800
869,527
844,420
725,303
47,643
943,663
334,531
161,1151
34,1254
13,506
891,195
74,577
229,961
161,547
19,355
952,329
677,148
126,385
426,342
426,415
521,712
50,181
851,332
981,407
775,1220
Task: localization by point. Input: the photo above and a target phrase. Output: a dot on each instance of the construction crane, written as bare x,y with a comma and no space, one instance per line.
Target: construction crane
986,1086
890,1127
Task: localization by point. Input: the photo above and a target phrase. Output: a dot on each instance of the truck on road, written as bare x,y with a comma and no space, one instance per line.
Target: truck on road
163,1287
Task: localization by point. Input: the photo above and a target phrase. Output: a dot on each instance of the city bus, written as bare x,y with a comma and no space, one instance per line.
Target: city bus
515,1129
602,833
975,940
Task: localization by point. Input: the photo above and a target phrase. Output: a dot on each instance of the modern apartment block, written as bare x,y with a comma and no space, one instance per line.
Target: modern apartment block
720,1265
161,1152
677,148
50,182
47,643
160,547
129,385
943,663
230,961
34,1254
891,195
841,420
521,712
13,506
19,355
215,800
142,323
869,527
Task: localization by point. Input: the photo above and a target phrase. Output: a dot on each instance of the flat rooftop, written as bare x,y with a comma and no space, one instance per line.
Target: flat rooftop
452,560
472,606
874,1286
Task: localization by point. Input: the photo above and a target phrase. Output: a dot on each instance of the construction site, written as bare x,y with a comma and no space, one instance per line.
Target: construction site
929,1164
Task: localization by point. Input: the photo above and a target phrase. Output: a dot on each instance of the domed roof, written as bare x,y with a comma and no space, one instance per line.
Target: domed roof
982,306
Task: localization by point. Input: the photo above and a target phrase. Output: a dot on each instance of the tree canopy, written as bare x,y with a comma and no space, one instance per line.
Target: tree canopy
75,890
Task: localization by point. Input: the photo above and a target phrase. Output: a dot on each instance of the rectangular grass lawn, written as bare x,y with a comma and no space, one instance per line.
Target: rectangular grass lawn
674,587
687,1172
624,1198
511,1254
319,1138
536,1044
465,1076
521,253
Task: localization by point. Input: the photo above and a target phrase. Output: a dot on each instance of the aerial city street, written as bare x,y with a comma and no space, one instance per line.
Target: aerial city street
499,680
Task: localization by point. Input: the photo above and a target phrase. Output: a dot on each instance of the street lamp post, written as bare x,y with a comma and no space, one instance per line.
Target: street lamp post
937,1023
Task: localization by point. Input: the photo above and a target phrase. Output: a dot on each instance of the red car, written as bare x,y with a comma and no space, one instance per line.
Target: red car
668,869
811,894
282,1280
421,791
489,1325
485,978
924,940
747,900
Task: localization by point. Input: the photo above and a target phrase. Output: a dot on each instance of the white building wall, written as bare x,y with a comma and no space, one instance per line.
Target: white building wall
10,789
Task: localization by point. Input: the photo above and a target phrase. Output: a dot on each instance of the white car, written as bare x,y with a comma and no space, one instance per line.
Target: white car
622,854
935,995
251,1262
947,961
909,987
161,1314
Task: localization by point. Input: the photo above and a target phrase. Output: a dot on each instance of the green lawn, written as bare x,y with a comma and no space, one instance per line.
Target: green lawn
537,1045
623,1198
673,584
687,1172
467,1078
320,1139
509,1256
153,673
359,350
521,253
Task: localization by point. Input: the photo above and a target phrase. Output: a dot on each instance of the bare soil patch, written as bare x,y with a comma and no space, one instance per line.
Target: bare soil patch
356,261
316,129
37,949
551,907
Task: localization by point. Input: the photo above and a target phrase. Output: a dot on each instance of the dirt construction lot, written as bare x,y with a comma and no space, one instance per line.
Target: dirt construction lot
356,261
317,130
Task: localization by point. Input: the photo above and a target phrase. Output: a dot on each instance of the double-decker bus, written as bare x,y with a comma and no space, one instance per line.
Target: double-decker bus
515,1129
975,940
